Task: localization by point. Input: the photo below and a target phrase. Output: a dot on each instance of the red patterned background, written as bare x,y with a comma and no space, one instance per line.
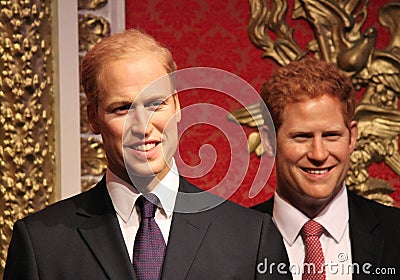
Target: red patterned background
213,33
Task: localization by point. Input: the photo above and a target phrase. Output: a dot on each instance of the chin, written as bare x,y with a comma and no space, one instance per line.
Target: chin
320,196
135,172
146,171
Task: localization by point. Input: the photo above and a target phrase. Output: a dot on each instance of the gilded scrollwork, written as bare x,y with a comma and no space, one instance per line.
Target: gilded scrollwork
91,4
338,38
92,29
27,149
93,160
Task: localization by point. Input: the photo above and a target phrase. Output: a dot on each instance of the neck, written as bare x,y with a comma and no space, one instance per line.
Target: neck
145,184
309,206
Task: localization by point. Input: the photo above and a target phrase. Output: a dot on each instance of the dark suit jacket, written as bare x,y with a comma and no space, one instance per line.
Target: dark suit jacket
80,238
374,235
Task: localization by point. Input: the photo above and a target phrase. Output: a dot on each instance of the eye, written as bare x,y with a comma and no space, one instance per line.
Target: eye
121,110
302,137
155,105
332,136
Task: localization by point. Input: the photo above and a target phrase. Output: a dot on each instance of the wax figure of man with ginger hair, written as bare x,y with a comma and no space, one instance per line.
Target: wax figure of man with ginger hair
312,104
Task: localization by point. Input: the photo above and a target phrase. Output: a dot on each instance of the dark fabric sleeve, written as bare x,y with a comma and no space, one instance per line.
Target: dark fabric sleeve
21,263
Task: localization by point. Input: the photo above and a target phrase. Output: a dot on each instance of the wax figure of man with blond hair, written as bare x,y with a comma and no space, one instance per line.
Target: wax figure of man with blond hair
104,233
312,105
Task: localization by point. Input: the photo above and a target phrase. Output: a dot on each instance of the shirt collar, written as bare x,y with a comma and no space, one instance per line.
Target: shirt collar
334,218
288,219
167,189
124,195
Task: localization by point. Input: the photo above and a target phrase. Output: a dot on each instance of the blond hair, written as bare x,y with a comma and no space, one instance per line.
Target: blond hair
127,44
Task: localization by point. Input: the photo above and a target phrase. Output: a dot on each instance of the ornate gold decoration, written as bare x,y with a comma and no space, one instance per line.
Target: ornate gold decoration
93,160
27,164
250,116
92,29
91,4
338,38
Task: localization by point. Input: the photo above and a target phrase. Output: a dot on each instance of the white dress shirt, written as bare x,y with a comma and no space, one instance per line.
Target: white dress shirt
124,195
335,240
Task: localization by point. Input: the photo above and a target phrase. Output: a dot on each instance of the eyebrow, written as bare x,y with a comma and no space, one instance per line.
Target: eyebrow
157,96
307,132
117,104
297,132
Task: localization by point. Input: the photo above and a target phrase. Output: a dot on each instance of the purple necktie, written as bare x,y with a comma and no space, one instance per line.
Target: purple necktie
314,268
149,248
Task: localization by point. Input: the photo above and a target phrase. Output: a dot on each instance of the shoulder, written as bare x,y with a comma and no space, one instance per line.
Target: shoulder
68,207
380,209
265,207
360,207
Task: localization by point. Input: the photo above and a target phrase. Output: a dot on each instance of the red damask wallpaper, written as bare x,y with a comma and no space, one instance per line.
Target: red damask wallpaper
212,33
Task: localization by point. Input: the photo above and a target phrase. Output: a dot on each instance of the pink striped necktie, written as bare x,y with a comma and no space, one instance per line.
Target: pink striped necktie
314,268
149,248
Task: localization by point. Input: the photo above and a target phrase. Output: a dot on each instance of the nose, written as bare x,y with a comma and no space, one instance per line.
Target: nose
139,122
317,152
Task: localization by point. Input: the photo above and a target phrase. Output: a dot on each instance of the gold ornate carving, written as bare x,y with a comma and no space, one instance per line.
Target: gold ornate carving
93,160
250,116
92,29
91,4
338,38
26,115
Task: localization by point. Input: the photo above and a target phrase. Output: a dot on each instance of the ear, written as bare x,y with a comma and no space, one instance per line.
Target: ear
353,135
266,141
177,107
92,118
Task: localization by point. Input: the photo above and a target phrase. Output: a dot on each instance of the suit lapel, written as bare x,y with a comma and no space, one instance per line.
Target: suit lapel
366,240
265,207
272,250
101,232
185,239
186,234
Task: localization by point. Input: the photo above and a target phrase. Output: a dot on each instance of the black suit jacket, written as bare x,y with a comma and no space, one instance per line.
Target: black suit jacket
374,235
80,238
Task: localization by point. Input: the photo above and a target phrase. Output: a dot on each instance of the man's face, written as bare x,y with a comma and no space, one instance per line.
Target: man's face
313,149
142,127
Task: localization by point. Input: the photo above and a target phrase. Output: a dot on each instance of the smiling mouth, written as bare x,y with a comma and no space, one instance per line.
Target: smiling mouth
145,147
319,171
